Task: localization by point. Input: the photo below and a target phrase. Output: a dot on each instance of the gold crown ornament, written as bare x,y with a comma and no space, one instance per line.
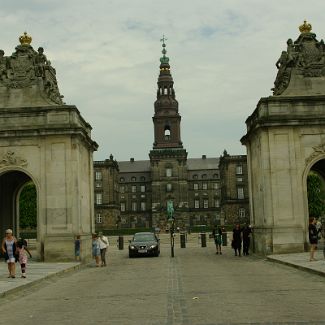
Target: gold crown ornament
305,27
25,39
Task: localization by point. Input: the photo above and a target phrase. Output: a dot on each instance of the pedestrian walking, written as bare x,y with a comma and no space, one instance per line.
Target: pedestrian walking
313,238
247,230
77,247
9,247
96,249
103,244
217,235
237,239
22,251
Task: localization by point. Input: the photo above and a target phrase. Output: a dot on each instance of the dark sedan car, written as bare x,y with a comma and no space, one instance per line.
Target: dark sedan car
144,243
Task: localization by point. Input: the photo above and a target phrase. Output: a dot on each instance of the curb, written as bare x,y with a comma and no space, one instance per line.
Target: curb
296,266
38,281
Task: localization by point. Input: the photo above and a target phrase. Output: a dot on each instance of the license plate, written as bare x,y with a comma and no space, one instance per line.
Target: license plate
142,251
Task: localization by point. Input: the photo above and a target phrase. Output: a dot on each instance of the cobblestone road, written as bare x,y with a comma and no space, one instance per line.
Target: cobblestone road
197,287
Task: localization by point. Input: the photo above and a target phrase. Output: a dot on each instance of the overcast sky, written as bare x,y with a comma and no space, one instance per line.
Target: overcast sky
106,54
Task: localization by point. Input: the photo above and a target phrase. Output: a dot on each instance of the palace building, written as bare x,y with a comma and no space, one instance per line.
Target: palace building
204,191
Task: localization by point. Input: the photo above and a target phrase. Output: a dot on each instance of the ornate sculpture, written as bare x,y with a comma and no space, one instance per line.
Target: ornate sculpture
26,67
10,158
318,151
305,56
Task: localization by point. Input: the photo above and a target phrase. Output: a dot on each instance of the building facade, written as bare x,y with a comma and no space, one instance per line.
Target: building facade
132,194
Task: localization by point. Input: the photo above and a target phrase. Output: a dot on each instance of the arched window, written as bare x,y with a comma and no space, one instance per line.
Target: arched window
122,179
204,176
195,176
133,179
167,132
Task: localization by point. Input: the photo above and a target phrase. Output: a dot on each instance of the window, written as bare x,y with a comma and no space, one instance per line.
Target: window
133,179
142,178
168,172
142,188
167,133
196,204
169,187
217,203
239,169
122,206
134,206
98,184
205,203
239,179
240,193
195,186
99,198
133,188
143,206
204,176
205,186
122,179
241,213
216,186
195,176
98,176
99,218
215,176
122,189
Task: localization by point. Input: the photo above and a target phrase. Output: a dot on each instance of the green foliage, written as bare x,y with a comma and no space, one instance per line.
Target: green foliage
316,195
28,207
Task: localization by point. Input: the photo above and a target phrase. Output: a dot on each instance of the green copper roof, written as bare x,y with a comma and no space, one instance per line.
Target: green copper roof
164,58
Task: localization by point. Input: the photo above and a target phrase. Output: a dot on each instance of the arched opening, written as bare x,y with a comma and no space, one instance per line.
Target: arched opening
167,132
18,204
316,190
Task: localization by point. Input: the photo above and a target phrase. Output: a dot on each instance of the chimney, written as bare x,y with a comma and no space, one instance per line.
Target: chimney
204,157
131,160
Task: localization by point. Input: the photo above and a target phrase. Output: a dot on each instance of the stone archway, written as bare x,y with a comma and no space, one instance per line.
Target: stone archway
285,139
11,183
44,140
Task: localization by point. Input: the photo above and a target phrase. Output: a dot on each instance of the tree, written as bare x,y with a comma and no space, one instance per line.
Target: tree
316,195
28,207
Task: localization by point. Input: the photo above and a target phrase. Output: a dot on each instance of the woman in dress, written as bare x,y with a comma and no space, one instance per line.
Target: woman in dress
9,247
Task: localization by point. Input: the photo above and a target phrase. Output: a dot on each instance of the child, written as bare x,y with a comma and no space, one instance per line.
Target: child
21,250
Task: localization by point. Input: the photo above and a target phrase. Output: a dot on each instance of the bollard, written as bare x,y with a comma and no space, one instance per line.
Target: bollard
183,239
120,242
203,239
224,239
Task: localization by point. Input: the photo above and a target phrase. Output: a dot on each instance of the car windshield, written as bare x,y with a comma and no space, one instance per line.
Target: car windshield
144,237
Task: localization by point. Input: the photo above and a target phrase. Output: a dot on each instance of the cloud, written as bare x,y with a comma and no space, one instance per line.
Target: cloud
106,53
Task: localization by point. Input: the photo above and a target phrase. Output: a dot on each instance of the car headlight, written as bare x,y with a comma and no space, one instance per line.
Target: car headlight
153,246
132,247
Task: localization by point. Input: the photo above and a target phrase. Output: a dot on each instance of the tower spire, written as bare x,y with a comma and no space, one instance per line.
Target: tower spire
166,119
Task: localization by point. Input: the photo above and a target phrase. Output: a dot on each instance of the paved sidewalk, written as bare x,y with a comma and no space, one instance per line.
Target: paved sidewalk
301,261
36,272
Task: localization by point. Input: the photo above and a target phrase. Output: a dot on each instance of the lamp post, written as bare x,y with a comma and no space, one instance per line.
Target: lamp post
171,221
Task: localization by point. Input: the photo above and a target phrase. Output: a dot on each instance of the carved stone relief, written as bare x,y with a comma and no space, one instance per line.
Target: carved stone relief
10,159
318,150
26,67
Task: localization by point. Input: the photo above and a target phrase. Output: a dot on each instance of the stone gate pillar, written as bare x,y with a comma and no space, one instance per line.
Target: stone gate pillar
42,137
285,137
